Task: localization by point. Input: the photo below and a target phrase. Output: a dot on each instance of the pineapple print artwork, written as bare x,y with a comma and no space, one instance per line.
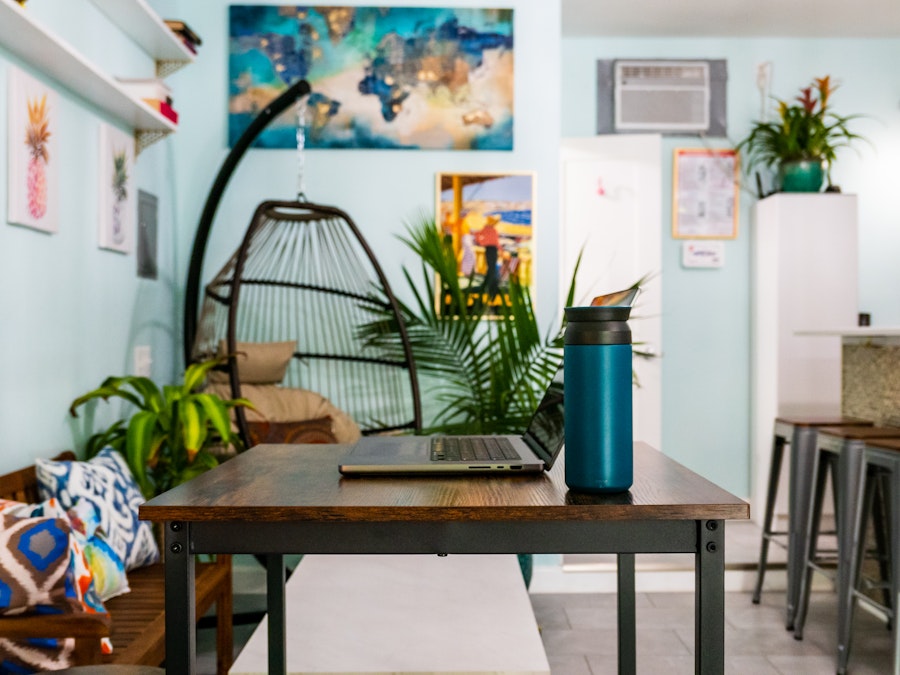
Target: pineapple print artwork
120,194
37,134
116,190
33,157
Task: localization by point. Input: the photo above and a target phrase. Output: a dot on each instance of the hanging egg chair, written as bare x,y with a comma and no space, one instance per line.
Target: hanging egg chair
303,274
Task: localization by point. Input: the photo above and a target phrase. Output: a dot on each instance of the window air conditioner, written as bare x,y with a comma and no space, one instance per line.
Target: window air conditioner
662,96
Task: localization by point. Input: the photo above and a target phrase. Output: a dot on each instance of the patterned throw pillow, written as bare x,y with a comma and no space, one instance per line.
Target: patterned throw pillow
43,566
42,571
106,567
34,563
106,482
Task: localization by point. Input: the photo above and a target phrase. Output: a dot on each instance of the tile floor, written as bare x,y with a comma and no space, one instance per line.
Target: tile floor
579,629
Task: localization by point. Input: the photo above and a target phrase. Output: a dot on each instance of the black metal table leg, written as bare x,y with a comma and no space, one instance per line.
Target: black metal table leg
626,619
709,602
275,604
181,636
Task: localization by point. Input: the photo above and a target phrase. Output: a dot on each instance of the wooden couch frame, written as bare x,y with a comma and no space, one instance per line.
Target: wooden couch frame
135,622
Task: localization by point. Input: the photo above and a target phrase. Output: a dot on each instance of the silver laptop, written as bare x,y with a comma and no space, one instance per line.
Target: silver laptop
534,451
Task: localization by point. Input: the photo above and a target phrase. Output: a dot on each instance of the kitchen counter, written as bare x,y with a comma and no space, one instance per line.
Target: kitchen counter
870,371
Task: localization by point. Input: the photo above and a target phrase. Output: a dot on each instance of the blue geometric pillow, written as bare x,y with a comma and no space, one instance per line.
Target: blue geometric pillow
34,563
106,566
105,481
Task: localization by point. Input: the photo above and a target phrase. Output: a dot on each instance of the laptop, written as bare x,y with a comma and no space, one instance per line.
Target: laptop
534,451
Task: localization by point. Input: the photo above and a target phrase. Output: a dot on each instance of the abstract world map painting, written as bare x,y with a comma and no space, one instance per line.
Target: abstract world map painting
381,77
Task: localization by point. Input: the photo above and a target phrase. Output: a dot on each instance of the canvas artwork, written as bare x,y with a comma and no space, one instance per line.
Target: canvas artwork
33,126
488,219
116,195
381,77
148,210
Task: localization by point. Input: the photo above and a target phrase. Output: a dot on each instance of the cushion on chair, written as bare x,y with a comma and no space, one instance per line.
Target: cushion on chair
276,404
258,362
106,482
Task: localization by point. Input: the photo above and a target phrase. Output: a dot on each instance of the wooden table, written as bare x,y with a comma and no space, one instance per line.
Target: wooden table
278,499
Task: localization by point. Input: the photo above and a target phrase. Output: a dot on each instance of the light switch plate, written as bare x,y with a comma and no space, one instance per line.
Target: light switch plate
142,360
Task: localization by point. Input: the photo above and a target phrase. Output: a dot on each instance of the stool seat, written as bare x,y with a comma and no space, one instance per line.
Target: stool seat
861,433
884,443
821,420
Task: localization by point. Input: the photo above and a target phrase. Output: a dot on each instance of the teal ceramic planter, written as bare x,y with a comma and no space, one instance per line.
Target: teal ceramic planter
801,176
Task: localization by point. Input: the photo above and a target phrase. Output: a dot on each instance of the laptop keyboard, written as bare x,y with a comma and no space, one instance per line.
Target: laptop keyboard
472,448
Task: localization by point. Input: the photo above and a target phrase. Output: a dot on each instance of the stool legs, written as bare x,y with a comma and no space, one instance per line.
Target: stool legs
778,443
803,459
893,509
863,480
823,463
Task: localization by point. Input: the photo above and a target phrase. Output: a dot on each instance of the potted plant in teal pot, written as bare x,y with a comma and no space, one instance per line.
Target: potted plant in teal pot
802,143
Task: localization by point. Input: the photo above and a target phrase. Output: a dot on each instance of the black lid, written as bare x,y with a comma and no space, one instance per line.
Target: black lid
601,325
598,313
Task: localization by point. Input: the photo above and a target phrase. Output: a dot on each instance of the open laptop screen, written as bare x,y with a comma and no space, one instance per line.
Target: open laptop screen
546,431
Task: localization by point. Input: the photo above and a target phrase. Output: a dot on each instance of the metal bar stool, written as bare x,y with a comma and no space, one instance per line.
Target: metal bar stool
878,464
799,431
839,451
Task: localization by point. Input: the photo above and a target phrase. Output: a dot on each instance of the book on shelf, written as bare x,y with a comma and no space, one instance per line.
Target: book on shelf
149,87
184,31
164,108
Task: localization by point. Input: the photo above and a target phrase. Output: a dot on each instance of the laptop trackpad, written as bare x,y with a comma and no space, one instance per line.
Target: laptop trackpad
393,449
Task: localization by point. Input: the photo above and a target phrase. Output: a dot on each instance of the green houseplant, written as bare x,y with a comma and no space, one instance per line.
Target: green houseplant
484,374
802,143
167,440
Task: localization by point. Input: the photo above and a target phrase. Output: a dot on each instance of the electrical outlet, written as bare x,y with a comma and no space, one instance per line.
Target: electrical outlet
142,361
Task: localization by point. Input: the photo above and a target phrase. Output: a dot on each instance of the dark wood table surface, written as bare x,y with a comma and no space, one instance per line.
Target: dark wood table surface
278,499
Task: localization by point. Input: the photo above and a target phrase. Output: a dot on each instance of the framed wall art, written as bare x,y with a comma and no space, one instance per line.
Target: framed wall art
116,192
488,218
381,77
33,161
705,193
148,215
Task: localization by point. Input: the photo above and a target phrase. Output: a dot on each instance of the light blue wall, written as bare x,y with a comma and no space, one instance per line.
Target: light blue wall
706,312
70,313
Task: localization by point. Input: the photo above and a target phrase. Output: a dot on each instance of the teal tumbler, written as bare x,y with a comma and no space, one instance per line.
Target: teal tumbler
598,409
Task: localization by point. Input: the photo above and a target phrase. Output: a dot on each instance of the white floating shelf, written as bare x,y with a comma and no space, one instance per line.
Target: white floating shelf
139,22
27,39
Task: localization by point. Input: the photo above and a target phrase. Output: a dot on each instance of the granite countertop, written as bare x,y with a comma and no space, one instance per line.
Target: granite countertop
853,331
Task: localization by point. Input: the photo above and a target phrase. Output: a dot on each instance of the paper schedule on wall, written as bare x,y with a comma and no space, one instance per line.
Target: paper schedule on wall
704,194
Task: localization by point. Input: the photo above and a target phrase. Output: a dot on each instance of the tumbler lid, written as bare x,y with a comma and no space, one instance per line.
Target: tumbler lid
598,313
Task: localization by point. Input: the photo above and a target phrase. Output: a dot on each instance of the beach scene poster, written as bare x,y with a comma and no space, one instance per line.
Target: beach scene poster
381,77
488,219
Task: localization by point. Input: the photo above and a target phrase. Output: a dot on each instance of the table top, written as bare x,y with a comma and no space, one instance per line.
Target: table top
272,483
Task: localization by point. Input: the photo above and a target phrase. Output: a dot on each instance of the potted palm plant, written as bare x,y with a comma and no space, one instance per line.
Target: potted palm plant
485,372
168,439
801,144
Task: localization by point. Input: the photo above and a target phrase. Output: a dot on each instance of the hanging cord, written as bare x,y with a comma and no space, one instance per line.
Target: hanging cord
301,145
